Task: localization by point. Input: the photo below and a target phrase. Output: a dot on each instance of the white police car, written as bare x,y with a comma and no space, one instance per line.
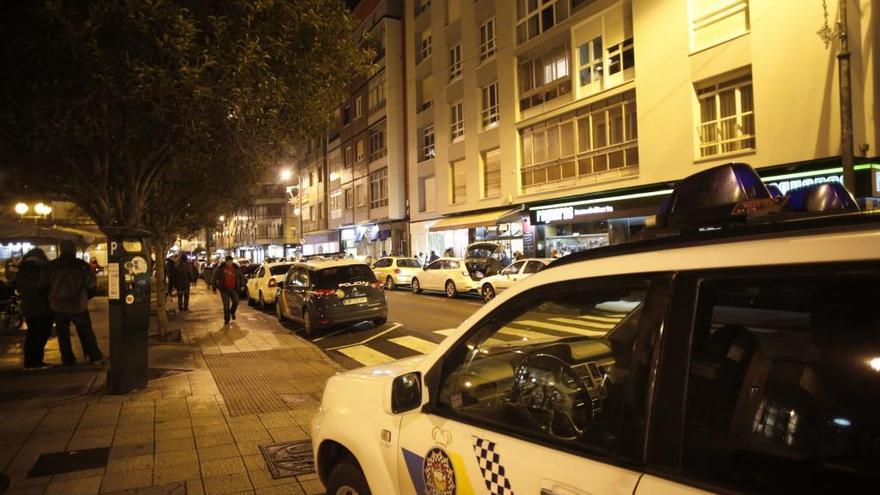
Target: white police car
744,359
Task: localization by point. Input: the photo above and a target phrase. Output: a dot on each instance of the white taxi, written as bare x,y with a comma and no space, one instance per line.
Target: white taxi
449,275
735,361
263,284
518,270
393,271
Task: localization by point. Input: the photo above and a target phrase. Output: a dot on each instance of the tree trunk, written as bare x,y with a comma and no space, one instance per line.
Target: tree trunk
160,247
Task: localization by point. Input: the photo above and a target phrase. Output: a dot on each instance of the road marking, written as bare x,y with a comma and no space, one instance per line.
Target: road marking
447,332
414,343
607,319
337,332
599,320
586,323
383,332
578,330
366,355
558,328
525,334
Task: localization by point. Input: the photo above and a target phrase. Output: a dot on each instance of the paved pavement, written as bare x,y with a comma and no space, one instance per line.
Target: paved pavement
186,433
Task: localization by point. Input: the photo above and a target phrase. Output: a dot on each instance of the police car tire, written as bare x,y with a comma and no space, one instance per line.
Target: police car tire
346,474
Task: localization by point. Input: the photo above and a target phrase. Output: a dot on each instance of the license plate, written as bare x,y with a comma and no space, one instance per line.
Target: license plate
354,300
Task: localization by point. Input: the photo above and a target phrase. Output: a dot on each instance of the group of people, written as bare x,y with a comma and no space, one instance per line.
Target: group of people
56,293
181,274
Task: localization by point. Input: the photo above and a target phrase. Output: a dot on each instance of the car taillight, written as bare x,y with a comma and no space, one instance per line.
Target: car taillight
323,292
272,282
397,271
376,284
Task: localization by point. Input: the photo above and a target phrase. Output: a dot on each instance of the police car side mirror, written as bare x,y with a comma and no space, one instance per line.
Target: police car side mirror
406,392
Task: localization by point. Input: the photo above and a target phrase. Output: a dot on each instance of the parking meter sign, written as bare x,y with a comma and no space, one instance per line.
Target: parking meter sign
113,280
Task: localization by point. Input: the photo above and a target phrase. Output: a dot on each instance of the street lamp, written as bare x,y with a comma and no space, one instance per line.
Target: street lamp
40,210
21,208
285,175
222,218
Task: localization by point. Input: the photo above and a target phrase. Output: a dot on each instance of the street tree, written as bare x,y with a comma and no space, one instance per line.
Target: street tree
98,99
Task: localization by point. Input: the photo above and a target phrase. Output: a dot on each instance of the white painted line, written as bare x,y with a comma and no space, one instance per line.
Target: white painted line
383,332
414,343
366,355
447,332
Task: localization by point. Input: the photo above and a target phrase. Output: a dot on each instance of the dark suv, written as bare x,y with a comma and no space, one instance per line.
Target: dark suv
323,293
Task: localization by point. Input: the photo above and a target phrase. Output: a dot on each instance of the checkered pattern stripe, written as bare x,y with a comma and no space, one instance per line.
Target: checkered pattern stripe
490,465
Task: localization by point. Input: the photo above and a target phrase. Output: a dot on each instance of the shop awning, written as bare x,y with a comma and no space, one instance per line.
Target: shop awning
486,219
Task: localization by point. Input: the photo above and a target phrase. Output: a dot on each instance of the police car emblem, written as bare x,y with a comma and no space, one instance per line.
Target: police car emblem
438,473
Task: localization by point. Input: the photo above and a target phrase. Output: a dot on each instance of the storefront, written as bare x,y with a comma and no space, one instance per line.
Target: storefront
326,241
589,222
374,240
453,234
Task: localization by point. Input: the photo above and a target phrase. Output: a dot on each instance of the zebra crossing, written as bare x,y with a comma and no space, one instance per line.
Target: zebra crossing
529,327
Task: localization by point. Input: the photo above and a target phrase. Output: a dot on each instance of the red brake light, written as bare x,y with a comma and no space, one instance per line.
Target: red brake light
272,282
396,271
323,292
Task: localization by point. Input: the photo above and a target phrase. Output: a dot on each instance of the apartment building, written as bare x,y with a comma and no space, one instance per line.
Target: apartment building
351,186
560,124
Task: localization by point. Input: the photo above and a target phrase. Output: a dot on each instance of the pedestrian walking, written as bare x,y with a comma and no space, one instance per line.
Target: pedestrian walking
228,279
34,308
184,277
96,267
71,283
169,275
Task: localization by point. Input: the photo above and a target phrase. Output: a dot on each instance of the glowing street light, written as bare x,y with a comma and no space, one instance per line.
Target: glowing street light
42,209
21,208
222,218
285,175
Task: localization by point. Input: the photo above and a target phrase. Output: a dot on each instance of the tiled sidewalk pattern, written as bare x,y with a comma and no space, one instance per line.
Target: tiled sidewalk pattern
175,437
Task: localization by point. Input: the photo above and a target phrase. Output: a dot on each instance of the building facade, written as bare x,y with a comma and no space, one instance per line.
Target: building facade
560,124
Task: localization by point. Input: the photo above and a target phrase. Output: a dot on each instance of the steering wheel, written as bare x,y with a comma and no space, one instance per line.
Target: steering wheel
553,396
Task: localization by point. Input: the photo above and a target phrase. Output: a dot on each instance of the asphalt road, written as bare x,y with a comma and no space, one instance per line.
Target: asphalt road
416,324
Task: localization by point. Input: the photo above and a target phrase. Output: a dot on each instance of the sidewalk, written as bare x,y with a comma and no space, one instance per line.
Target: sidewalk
197,427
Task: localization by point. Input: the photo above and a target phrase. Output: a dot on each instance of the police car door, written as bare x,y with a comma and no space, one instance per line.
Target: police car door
546,395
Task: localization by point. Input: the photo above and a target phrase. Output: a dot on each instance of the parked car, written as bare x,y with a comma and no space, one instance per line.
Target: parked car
484,259
321,293
394,270
743,358
445,274
263,283
517,271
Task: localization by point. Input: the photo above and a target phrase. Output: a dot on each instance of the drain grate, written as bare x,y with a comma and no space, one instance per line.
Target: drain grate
69,461
289,459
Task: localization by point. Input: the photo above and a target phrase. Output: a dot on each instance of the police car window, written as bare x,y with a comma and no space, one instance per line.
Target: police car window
330,278
784,386
435,265
557,363
533,267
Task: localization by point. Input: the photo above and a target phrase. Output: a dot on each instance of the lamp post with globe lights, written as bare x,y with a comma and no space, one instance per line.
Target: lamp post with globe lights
40,211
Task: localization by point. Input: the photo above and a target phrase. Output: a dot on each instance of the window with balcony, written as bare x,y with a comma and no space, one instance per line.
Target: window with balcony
727,117
456,122
457,182
487,39
600,138
491,161
427,148
490,114
379,188
455,62
425,46
376,91
544,77
376,136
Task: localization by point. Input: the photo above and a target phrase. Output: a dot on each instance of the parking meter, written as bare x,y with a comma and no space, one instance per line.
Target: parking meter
128,292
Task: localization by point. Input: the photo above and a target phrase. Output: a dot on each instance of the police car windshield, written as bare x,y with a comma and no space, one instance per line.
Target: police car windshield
330,278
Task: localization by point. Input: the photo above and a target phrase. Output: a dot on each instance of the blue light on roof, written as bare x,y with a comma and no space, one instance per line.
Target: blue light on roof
840,421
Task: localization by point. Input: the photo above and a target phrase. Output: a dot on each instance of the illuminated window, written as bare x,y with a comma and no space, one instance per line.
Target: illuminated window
360,150
456,122
358,107
621,56
491,161
727,117
425,46
377,141
590,61
376,89
379,188
544,77
457,182
349,203
490,114
427,151
535,17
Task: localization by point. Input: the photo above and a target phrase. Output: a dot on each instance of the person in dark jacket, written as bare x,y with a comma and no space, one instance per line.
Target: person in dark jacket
34,307
184,276
71,283
228,279
169,275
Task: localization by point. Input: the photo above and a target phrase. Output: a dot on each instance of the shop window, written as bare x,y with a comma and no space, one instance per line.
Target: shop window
379,188
456,122
544,77
457,182
597,138
727,117
491,173
782,387
487,39
455,62
427,148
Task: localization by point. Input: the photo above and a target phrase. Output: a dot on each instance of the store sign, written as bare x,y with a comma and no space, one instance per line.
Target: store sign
550,215
792,184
